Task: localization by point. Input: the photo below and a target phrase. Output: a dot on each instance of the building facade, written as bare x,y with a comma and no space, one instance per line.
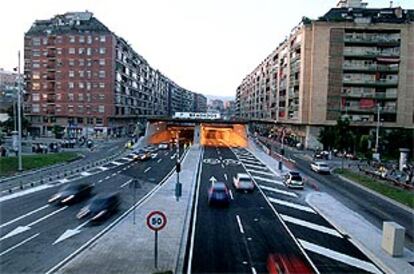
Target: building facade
353,62
83,77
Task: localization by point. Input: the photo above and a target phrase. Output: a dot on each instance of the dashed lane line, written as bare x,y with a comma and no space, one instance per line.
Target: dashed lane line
24,216
279,191
364,265
310,225
116,163
102,168
231,194
107,177
240,224
85,173
268,173
225,176
147,169
159,160
291,205
19,244
126,183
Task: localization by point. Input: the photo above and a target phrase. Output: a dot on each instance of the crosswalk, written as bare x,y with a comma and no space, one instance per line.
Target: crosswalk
317,236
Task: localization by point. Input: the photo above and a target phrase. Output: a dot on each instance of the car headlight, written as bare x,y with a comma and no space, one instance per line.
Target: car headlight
70,197
100,214
54,198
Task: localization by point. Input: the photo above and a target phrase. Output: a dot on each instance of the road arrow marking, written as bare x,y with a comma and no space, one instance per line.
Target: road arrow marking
71,232
213,179
21,229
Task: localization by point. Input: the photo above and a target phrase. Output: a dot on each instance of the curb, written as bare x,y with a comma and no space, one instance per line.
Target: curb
402,206
355,242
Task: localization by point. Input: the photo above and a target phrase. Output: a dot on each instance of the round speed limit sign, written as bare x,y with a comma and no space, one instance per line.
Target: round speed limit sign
156,220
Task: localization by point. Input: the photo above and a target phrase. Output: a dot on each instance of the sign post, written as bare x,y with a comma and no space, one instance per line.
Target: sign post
134,184
156,220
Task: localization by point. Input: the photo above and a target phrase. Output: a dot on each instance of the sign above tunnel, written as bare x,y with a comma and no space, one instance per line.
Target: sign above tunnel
197,115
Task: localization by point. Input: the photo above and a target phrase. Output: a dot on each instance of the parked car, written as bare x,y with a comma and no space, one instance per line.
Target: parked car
218,194
163,146
293,179
100,207
284,264
72,193
242,181
320,167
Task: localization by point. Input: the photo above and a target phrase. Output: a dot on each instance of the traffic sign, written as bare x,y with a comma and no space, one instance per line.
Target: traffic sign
156,220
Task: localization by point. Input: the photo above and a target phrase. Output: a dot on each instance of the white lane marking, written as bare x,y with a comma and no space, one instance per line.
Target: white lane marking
288,193
21,229
256,167
147,169
248,158
240,224
64,180
256,162
173,156
24,192
125,168
24,216
85,173
126,159
273,181
310,225
102,168
268,173
107,177
116,163
100,181
254,270
126,183
225,176
367,266
159,160
222,165
71,232
113,174
231,194
19,244
292,205
119,171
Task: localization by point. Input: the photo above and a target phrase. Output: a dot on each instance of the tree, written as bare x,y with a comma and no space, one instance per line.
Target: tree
327,137
344,136
8,125
58,131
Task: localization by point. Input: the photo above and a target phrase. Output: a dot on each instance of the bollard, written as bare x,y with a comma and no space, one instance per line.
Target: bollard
41,181
32,184
10,190
21,185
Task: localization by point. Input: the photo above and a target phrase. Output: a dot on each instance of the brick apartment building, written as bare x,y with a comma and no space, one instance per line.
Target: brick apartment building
82,76
349,62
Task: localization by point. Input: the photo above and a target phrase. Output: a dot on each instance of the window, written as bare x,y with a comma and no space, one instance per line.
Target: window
71,85
102,62
102,50
101,85
101,74
81,50
101,96
89,121
44,96
71,50
71,39
36,75
36,86
80,110
88,86
36,41
102,38
45,41
58,96
81,85
81,39
88,51
88,74
70,96
80,97
59,51
58,108
101,109
88,97
71,73
71,62
35,108
36,53
35,97
99,121
89,63
59,39
35,65
89,39
81,74
81,62
70,108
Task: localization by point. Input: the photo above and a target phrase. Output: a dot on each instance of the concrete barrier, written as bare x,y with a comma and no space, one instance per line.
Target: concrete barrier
393,236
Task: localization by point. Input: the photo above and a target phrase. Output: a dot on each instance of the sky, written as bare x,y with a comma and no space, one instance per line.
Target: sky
206,46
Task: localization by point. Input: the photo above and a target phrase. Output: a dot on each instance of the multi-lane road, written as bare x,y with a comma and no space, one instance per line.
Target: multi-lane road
35,235
271,220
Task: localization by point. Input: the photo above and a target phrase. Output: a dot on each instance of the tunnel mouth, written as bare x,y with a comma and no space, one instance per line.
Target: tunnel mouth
223,135
170,133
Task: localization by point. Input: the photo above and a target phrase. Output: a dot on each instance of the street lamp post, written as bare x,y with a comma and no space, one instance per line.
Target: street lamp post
19,115
378,128
178,186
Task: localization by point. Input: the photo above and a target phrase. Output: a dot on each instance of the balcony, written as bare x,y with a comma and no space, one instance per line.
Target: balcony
382,40
373,95
362,82
369,53
357,108
373,67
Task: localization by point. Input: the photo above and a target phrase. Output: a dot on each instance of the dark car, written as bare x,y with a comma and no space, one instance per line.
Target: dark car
72,193
100,207
218,194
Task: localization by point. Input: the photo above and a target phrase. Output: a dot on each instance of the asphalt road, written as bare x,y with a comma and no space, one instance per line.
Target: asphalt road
274,220
37,244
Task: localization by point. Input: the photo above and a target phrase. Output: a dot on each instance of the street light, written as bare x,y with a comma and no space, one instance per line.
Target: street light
378,128
19,115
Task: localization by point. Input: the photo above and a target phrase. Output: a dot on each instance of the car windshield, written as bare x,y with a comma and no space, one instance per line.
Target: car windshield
296,178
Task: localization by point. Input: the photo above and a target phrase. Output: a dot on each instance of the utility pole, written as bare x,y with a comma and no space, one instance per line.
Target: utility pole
178,186
19,115
378,128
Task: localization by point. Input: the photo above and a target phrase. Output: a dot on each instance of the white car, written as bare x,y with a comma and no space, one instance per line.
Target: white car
320,167
293,180
242,181
163,146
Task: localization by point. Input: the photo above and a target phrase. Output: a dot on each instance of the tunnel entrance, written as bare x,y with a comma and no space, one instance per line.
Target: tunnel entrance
232,135
165,133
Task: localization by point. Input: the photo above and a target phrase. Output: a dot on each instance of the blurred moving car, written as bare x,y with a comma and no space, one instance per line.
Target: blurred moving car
163,146
320,167
218,194
283,264
72,193
142,155
100,207
242,181
293,179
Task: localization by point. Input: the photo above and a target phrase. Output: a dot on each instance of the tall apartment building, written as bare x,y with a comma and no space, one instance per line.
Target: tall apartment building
82,76
350,62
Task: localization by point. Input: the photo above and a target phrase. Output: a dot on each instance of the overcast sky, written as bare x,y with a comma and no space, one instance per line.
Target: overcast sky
206,46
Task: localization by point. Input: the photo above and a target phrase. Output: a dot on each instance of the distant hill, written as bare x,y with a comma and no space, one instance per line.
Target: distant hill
223,98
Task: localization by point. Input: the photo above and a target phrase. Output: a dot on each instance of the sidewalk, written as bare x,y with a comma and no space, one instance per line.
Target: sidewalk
129,248
363,234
